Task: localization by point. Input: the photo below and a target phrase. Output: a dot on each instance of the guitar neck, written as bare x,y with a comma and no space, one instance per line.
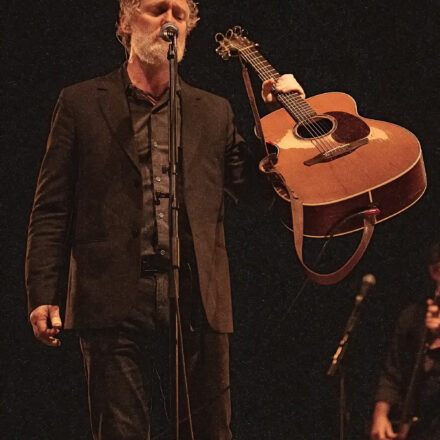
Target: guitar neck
293,103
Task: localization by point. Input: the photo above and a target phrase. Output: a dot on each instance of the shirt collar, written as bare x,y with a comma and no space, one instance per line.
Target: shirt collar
138,94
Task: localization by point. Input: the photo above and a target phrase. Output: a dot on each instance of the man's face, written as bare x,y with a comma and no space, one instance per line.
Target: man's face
145,25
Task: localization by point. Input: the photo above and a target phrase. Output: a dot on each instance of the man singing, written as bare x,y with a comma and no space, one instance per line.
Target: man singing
101,208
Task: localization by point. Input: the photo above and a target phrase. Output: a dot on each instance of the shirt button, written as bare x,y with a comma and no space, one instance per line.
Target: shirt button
161,215
162,252
157,179
154,144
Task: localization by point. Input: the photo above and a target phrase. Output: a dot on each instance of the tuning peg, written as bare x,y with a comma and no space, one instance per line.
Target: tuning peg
237,30
219,37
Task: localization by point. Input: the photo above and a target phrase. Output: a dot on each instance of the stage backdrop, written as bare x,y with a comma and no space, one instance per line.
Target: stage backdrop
384,54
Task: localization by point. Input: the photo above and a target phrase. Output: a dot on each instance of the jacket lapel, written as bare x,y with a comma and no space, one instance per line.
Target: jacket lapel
114,106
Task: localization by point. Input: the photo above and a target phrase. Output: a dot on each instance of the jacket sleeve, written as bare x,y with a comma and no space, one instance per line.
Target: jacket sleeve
47,244
234,159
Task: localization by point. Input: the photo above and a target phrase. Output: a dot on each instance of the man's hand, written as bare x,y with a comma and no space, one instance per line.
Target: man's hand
381,428
432,319
46,323
285,84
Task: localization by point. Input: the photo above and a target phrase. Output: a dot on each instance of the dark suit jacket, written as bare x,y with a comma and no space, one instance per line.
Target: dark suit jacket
88,203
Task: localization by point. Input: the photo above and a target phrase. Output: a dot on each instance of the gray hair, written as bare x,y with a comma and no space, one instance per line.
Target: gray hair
128,7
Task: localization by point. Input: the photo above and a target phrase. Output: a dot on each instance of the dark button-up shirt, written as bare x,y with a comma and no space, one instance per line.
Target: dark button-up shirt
150,125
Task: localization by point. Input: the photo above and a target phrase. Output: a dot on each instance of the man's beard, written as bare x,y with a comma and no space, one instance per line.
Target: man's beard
152,50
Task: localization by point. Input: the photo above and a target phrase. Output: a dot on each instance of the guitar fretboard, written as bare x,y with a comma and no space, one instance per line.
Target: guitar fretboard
294,104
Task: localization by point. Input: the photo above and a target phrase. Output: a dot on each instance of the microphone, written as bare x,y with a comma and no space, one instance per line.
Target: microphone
169,31
368,281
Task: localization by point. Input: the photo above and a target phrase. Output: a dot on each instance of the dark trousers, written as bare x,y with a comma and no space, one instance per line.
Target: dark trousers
126,369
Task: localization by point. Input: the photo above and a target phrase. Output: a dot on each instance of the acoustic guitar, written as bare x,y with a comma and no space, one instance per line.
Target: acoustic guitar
337,162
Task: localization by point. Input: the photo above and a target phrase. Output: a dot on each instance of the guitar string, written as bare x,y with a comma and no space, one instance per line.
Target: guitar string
267,71
295,101
298,112
301,107
313,127
267,75
300,115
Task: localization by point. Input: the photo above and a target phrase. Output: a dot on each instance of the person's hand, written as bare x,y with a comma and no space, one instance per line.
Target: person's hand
381,428
285,84
46,324
432,319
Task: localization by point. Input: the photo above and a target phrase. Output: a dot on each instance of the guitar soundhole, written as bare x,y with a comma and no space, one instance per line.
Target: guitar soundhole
315,127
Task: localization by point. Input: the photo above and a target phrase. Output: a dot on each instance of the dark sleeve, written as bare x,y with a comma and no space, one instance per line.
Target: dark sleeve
47,243
393,379
234,159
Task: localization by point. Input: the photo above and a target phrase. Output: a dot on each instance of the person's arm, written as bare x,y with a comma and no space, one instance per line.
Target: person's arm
285,84
47,244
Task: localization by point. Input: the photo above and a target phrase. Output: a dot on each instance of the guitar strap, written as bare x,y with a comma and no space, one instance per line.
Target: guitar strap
298,212
336,276
253,104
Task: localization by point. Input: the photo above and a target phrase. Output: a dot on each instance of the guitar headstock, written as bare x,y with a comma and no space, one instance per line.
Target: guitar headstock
232,42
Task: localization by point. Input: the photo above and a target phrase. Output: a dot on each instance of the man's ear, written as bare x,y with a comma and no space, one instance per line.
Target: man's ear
125,24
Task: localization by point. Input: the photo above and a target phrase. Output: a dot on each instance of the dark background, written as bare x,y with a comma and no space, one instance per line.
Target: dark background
384,54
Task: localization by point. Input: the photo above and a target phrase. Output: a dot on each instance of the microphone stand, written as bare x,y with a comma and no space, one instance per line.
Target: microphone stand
338,366
176,335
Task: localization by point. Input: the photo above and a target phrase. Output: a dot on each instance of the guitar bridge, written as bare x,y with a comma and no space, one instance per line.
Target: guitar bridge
340,150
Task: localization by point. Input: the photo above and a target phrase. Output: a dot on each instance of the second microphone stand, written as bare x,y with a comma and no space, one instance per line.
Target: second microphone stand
337,364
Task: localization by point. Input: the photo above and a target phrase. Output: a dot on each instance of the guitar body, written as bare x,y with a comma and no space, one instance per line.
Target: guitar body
377,164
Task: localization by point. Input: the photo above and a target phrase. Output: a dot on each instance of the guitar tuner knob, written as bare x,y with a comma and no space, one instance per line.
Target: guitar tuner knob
219,37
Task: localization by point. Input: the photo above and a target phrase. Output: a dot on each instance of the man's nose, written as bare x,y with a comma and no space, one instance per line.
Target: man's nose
168,17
